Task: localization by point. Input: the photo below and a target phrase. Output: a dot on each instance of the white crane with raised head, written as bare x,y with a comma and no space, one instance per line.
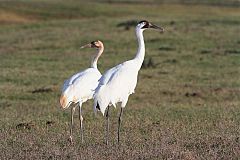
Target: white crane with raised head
81,86
119,82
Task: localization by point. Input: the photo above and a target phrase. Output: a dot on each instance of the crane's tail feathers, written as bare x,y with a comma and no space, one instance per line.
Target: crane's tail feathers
101,99
95,107
98,107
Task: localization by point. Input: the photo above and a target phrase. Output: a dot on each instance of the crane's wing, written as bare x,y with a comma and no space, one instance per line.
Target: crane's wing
124,68
116,85
123,80
108,74
70,81
85,76
85,85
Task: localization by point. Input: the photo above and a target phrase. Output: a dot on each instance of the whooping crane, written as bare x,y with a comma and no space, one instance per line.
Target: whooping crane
120,81
80,87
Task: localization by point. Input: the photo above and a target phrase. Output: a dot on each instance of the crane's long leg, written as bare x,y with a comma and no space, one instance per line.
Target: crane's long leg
119,123
107,127
81,121
71,125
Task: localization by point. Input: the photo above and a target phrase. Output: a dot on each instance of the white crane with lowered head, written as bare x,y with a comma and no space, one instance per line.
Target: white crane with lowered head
119,82
80,87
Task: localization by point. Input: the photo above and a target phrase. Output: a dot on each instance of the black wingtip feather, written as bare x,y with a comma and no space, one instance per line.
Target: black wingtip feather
98,107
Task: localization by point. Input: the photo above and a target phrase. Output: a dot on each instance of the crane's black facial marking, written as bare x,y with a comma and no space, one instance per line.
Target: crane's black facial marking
93,44
146,24
143,21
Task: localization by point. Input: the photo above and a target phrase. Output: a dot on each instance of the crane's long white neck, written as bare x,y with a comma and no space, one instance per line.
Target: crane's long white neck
96,56
141,48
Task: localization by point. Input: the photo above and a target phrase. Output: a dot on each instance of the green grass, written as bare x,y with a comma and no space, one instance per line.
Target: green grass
185,107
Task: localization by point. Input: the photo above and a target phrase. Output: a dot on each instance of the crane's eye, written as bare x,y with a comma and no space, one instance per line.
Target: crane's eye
96,44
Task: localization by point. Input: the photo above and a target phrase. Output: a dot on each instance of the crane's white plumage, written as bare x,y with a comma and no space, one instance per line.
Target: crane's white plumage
81,86
116,85
119,82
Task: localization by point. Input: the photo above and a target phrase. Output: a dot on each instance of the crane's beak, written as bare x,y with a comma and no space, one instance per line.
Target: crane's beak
156,27
89,45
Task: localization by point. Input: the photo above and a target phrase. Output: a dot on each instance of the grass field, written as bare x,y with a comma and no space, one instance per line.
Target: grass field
187,101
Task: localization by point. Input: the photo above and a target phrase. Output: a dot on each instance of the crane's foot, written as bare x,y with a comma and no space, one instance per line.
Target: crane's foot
106,142
81,138
70,139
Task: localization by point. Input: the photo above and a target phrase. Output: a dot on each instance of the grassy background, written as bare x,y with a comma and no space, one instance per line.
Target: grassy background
186,104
